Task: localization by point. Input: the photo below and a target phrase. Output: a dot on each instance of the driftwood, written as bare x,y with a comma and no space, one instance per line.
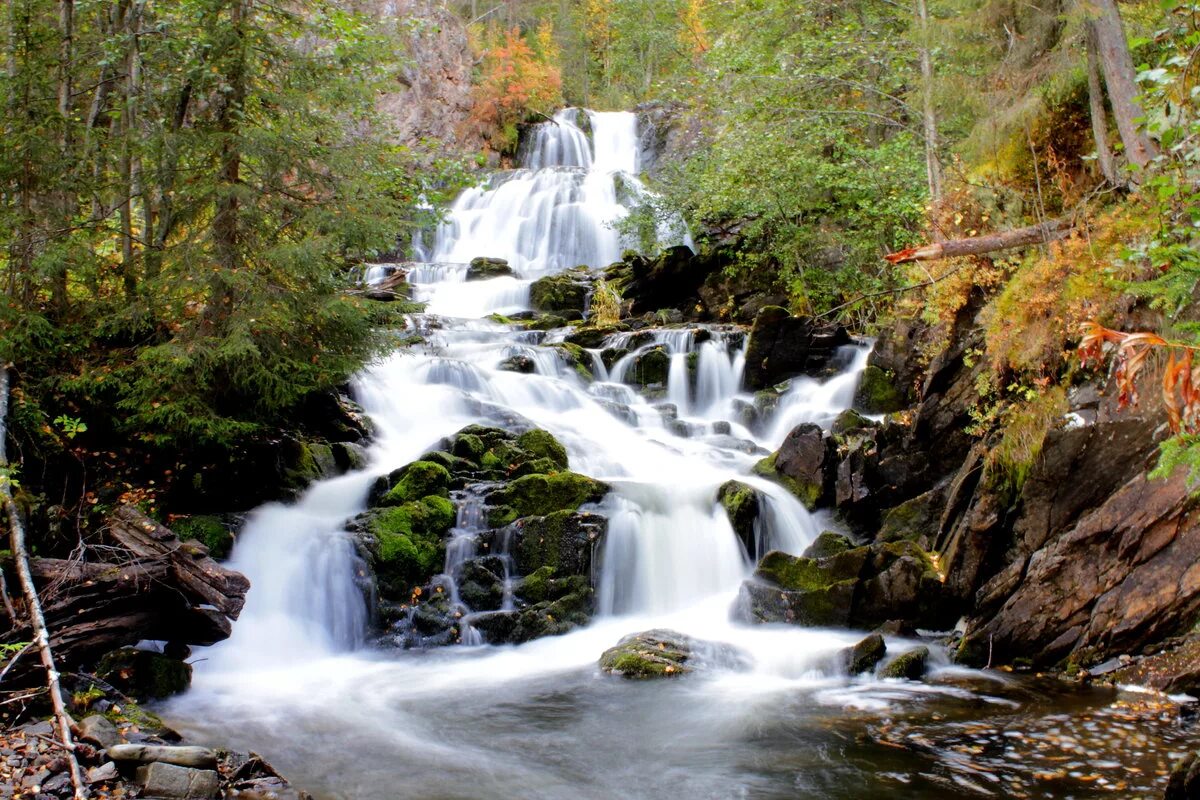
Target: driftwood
1005,240
150,586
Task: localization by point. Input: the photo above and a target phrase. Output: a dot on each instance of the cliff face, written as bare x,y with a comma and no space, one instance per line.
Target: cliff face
431,100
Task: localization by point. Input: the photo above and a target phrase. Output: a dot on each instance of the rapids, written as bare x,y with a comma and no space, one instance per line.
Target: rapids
298,681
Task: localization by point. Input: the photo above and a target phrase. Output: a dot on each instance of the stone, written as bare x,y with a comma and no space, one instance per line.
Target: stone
803,464
172,782
485,268
540,494
879,392
863,656
102,774
99,730
649,368
522,364
828,545
1184,783
562,292
181,756
144,674
910,665
850,421
565,541
653,654
742,505
782,346
415,481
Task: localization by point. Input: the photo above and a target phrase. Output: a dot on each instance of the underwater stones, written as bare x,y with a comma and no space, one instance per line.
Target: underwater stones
144,674
911,665
742,505
878,392
652,654
782,346
863,656
538,494
562,293
484,268
803,464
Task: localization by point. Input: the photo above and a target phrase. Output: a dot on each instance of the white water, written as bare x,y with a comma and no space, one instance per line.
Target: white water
296,680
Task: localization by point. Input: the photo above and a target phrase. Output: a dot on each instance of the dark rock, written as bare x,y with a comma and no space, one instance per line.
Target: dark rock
481,583
878,392
863,656
562,292
144,674
485,268
742,505
668,281
803,464
850,421
828,545
99,730
539,495
1184,783
916,520
178,783
650,368
565,541
522,364
782,346
909,666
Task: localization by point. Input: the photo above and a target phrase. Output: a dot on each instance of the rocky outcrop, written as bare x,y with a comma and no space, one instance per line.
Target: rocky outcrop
804,463
782,346
863,656
665,654
670,280
481,269
564,293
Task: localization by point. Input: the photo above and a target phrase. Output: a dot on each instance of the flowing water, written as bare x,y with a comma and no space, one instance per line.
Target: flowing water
299,683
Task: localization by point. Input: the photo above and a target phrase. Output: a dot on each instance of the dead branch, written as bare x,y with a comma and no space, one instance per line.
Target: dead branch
1041,233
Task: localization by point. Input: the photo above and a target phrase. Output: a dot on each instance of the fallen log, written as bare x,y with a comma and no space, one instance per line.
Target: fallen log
150,586
1041,233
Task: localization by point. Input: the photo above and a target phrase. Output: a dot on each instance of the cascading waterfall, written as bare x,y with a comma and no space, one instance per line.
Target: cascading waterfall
296,667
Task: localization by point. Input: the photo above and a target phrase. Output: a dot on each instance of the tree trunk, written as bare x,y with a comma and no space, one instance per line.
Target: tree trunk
933,166
1104,155
1005,240
1104,19
226,236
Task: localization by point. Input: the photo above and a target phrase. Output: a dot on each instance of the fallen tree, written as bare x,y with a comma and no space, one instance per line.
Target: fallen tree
1041,233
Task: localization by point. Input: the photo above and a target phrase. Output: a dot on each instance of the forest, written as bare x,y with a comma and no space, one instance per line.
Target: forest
364,363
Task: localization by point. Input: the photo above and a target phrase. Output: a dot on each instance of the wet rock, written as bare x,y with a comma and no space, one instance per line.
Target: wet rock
183,756
909,666
481,583
803,464
916,520
879,392
144,674
164,780
99,730
403,544
590,336
565,541
850,421
828,545
484,268
863,656
540,494
649,368
415,481
562,292
548,606
669,281
653,654
522,364
742,505
1184,783
782,346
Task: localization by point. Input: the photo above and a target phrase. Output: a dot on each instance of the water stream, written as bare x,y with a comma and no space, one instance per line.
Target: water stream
298,682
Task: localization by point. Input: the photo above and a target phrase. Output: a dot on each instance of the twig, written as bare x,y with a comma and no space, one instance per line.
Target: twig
29,696
41,636
13,660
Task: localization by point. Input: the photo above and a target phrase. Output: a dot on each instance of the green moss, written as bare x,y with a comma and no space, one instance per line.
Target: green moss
535,587
651,655
828,545
564,291
144,674
409,547
548,322
452,463
418,479
543,445
878,393
208,530
651,367
909,666
540,495
808,493
469,446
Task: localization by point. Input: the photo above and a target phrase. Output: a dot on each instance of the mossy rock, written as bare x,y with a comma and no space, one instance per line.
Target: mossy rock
742,505
561,293
543,445
849,421
415,481
590,336
563,541
542,585
484,268
878,392
570,609
144,674
407,541
577,358
210,531
653,654
547,322
469,446
649,368
827,545
915,520
809,493
908,666
538,495
452,463
863,656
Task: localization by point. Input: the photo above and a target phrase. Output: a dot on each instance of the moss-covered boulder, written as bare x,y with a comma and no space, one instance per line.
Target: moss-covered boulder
415,481
538,494
827,545
878,392
804,464
653,654
911,665
915,520
591,336
564,541
576,358
863,656
649,368
546,606
801,591
405,543
481,269
742,505
209,530
543,445
562,293
480,453
144,674
850,421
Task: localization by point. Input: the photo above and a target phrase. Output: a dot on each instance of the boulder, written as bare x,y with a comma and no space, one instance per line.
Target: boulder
144,674
782,346
562,540
653,654
99,731
669,281
484,268
178,783
910,665
742,505
863,656
649,368
522,364
542,494
828,545
879,392
563,292
803,464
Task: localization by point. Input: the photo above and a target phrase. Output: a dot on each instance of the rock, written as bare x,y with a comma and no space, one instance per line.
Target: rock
562,292
542,445
850,421
909,666
561,540
879,392
828,545
484,268
184,756
209,530
782,346
653,654
1184,783
99,730
481,583
649,368
916,520
863,656
522,364
742,504
415,481
164,780
803,464
104,773
144,674
550,607
539,495
669,281
404,543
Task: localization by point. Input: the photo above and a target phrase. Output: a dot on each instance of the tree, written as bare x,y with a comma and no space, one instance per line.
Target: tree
1107,32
